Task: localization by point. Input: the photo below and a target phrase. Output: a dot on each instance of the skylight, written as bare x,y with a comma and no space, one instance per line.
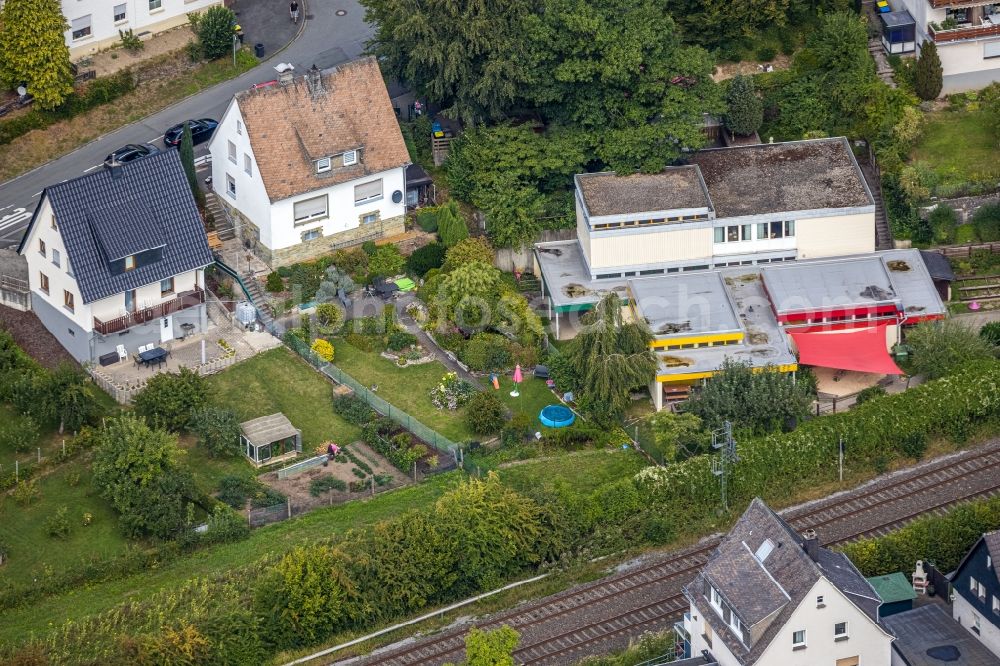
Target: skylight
763,550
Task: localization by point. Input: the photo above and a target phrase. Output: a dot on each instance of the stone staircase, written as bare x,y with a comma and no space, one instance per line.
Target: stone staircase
883,233
259,301
224,226
882,66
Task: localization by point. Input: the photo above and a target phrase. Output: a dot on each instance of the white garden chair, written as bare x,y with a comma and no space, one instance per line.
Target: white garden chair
122,354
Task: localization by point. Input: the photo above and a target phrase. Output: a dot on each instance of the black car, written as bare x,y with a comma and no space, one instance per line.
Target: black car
201,130
131,152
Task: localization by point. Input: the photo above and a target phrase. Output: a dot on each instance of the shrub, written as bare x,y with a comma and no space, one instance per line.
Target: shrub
986,222
452,392
27,492
386,261
426,258
928,78
488,352
169,399
745,111
329,318
323,349
451,224
486,414
353,409
400,340
866,394
215,31
469,250
991,333
21,434
323,484
913,445
218,430
943,221
358,473
941,347
766,53
57,525
274,283
234,490
427,219
130,41
266,496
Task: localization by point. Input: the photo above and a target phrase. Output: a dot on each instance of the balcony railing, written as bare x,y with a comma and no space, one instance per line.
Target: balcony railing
184,300
941,4
968,31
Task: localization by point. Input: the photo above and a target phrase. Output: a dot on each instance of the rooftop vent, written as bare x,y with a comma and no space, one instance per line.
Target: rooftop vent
810,544
314,79
116,169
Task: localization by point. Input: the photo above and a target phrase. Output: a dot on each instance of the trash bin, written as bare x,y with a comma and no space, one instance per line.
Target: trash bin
258,50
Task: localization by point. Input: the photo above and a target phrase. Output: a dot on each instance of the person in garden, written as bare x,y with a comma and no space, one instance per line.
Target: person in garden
332,450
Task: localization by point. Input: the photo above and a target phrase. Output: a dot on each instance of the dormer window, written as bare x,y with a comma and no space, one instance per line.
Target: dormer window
350,157
130,263
323,164
763,550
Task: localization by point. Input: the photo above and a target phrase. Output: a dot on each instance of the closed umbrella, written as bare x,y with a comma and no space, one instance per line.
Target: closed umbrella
518,378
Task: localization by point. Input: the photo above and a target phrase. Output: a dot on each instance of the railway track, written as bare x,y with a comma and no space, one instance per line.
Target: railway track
603,615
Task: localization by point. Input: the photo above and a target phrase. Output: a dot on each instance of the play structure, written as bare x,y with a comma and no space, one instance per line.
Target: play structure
556,416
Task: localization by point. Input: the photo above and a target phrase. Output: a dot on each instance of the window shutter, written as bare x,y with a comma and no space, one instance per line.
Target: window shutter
310,208
368,190
81,23
991,49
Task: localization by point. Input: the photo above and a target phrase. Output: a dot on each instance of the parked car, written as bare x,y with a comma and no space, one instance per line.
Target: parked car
265,84
201,131
131,152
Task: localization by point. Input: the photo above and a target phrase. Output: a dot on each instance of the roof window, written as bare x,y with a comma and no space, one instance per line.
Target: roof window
350,157
323,164
763,550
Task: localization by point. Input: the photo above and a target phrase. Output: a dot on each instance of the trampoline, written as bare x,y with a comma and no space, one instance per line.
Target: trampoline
556,416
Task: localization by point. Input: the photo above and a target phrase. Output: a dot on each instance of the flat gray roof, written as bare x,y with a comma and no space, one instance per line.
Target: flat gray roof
674,188
268,429
930,628
912,281
567,280
779,177
684,304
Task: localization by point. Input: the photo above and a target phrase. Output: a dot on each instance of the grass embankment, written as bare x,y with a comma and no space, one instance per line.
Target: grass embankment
959,146
161,82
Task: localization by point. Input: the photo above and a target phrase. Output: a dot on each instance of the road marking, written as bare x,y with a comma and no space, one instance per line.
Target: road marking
6,207
19,215
155,139
36,194
88,170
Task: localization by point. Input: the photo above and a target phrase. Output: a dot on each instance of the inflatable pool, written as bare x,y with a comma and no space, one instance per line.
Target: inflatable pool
556,416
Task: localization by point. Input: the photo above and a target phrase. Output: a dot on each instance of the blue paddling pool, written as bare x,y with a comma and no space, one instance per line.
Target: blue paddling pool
556,416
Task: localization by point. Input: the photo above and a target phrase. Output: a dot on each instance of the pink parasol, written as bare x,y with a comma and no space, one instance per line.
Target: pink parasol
518,378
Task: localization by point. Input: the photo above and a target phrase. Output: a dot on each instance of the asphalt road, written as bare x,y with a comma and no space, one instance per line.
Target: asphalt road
326,40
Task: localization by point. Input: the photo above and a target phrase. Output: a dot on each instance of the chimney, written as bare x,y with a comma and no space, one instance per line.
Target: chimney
810,544
116,169
286,72
314,79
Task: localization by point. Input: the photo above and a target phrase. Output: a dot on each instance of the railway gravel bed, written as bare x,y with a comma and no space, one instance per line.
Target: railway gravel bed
645,594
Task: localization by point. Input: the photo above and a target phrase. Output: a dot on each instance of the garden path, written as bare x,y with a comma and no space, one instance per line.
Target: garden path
427,343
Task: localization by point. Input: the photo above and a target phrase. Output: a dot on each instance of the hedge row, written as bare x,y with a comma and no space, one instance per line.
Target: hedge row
97,92
943,540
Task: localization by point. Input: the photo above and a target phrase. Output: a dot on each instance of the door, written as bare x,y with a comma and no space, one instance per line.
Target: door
166,329
130,301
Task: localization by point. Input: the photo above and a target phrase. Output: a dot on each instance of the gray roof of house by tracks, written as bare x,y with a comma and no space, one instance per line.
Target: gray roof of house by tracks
929,627
684,304
268,429
674,188
102,218
783,177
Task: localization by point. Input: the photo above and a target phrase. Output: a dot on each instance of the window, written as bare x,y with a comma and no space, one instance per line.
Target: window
790,228
41,247
764,550
55,258
130,263
840,630
957,15
68,300
230,186
981,592
43,282
991,49
989,561
53,221
312,234
977,623
69,269
232,152
799,638
119,13
309,209
350,157
652,271
607,276
996,604
720,234
166,286
370,218
849,661
368,191
716,598
323,164
155,5
81,27
239,127
972,584
247,164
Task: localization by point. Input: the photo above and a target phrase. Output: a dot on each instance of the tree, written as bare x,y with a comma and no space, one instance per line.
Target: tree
187,161
451,224
423,259
491,648
991,333
942,347
215,31
512,210
943,221
33,50
136,469
468,250
386,261
218,430
470,293
336,281
72,397
677,435
169,399
745,111
329,319
928,78
611,358
485,414
761,401
986,222
467,57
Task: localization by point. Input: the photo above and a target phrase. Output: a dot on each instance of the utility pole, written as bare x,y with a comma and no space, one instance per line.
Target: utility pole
722,441
840,456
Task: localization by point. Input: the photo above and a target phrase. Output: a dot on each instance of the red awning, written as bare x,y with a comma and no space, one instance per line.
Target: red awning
860,349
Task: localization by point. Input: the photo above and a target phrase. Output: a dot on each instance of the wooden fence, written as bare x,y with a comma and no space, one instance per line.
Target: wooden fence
952,251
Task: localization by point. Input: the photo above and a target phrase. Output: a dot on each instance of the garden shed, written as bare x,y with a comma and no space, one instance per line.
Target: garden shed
270,439
895,591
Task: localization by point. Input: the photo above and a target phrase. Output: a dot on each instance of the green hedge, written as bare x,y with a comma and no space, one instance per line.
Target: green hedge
943,540
97,92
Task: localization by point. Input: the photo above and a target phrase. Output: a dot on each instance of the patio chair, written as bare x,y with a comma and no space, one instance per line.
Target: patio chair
122,353
144,348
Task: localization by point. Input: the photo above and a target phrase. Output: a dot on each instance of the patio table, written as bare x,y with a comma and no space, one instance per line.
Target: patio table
157,355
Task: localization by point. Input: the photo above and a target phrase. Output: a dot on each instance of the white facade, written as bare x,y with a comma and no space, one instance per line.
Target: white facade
822,613
238,183
983,628
94,24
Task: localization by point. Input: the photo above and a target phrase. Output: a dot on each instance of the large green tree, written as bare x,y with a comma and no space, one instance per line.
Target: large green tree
744,110
33,50
611,357
136,469
71,396
215,31
169,399
928,77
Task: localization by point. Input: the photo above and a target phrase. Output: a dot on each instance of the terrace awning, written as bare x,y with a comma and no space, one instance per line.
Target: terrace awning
860,349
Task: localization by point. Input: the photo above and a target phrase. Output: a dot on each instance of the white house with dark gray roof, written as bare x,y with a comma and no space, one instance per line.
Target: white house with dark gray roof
771,597
117,257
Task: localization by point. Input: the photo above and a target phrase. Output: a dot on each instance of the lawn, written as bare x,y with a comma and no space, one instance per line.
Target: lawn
582,471
279,381
960,148
275,539
22,528
208,470
406,388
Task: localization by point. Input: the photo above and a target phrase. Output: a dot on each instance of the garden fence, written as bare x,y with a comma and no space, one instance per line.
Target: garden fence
23,466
